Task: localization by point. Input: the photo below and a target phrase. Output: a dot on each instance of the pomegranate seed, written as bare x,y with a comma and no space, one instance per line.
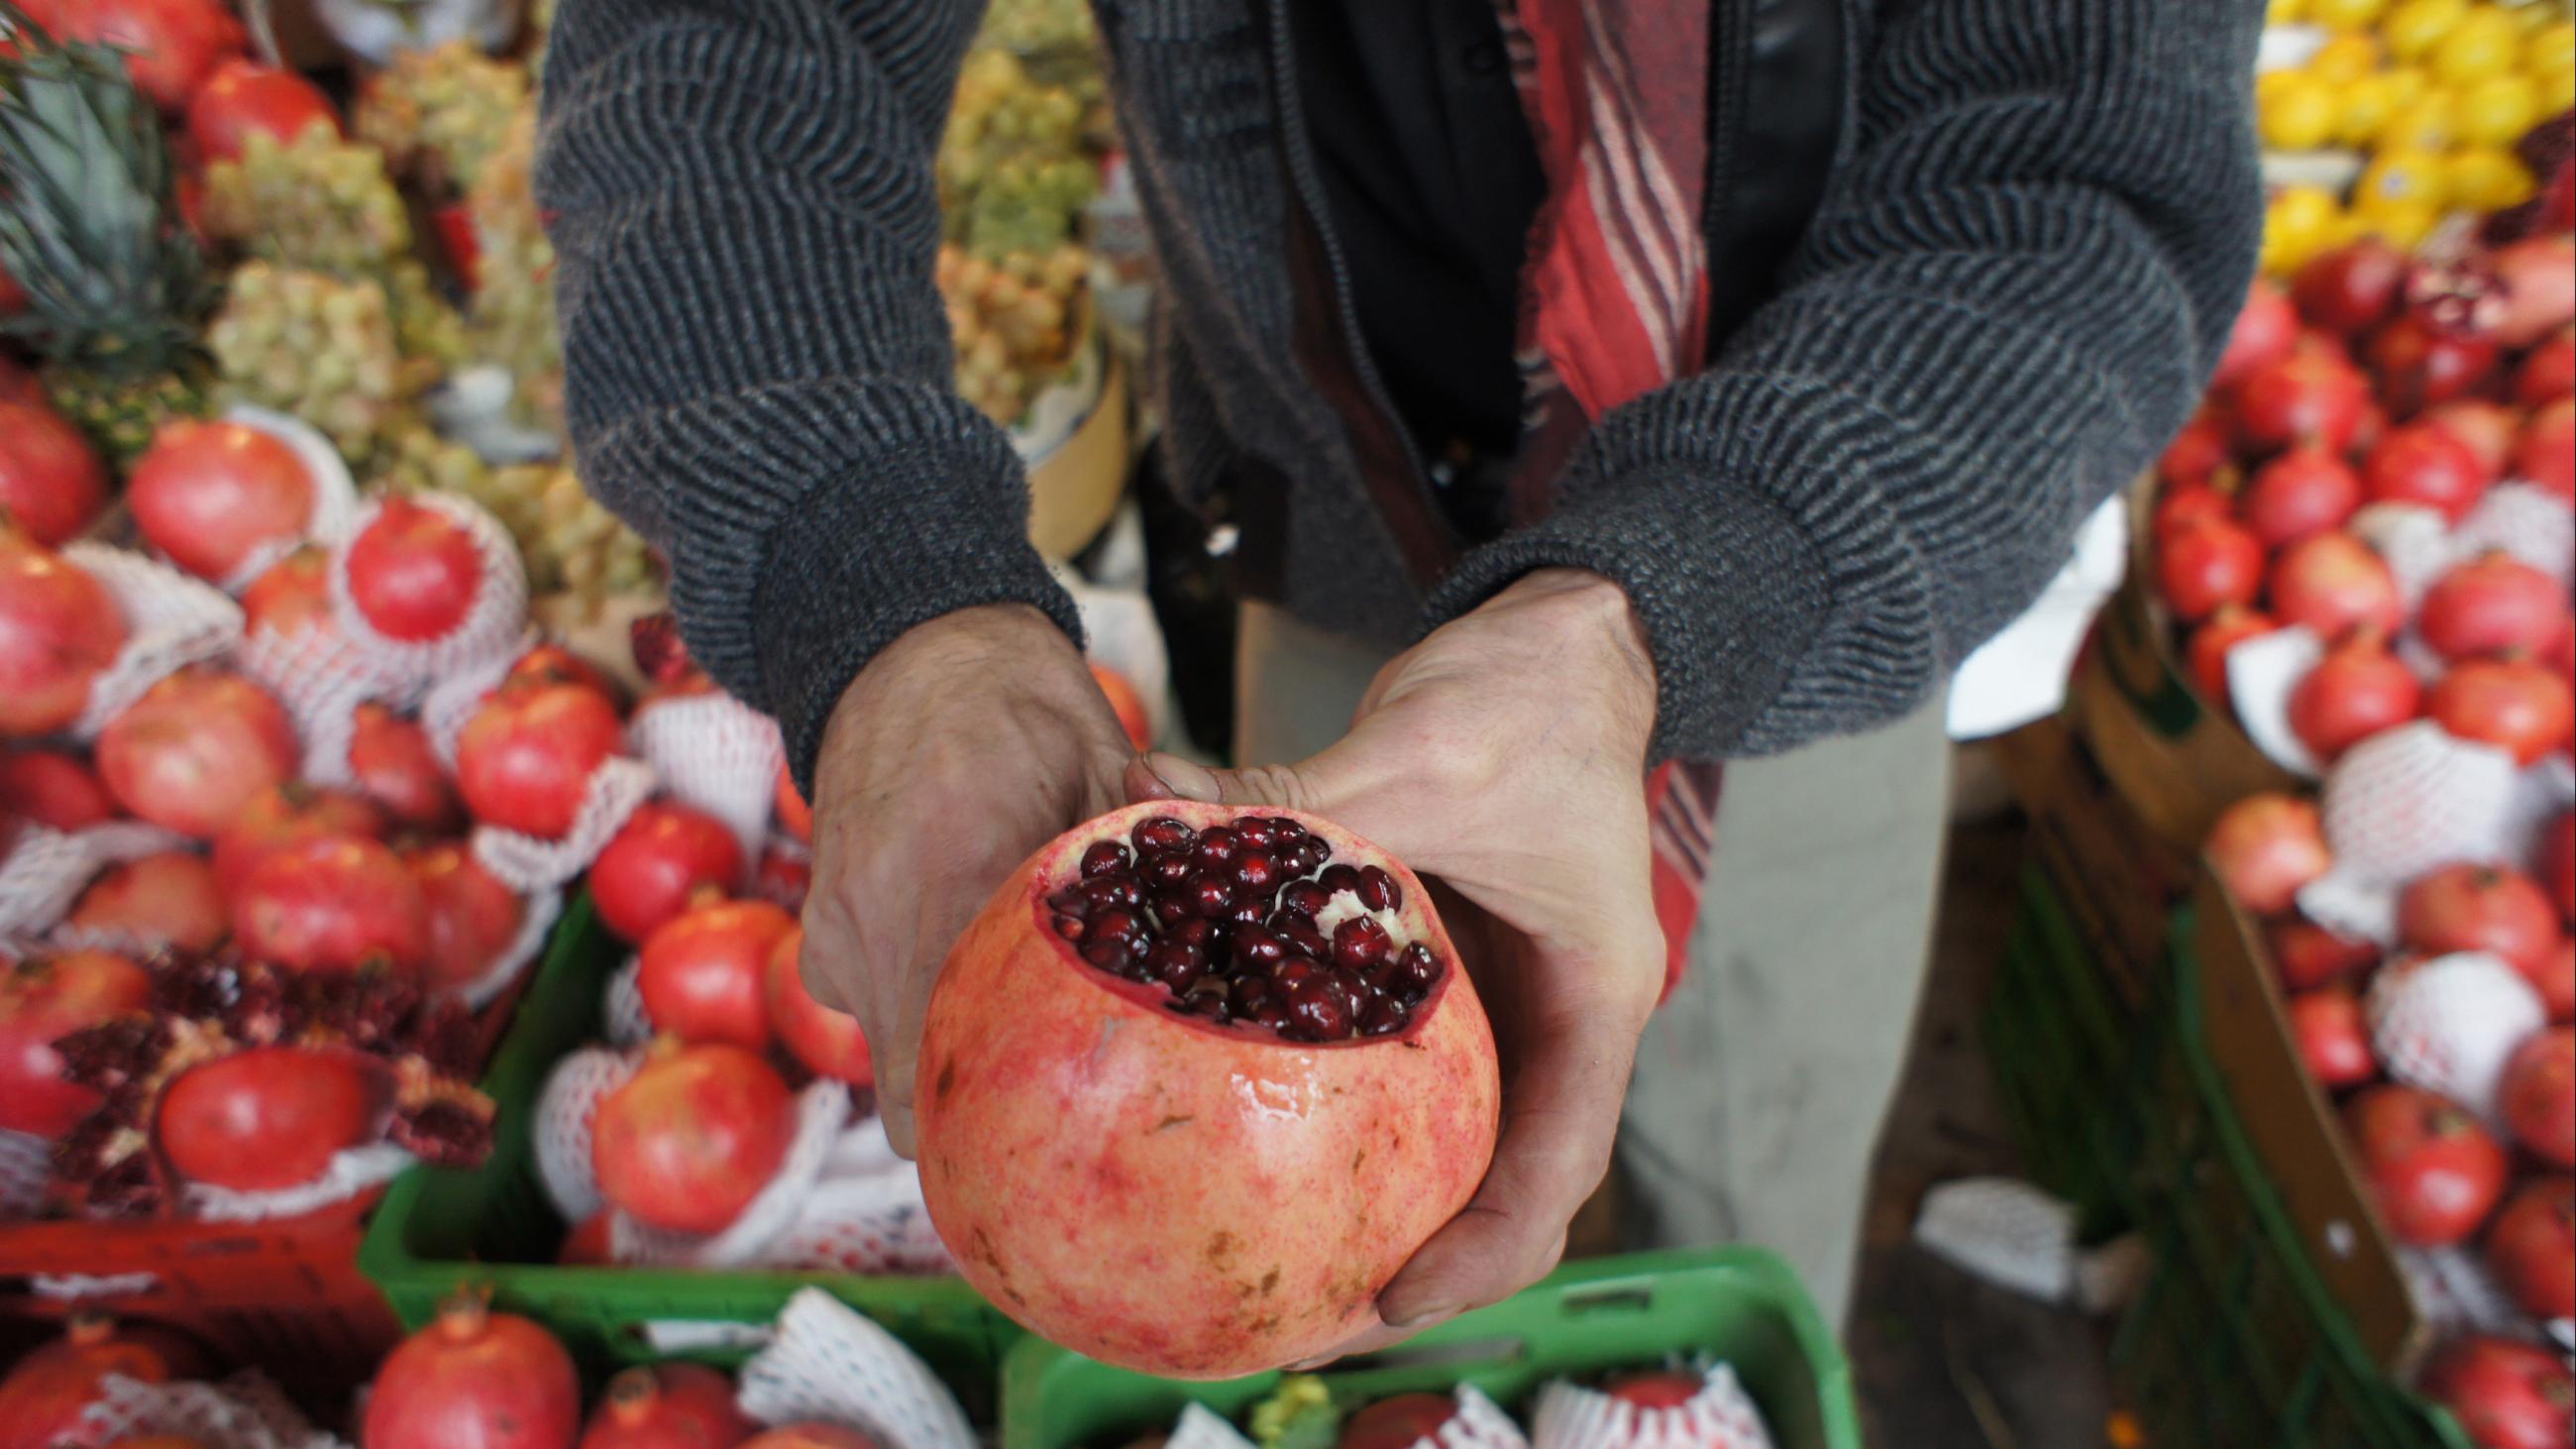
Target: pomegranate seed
1101,892
1301,933
1338,878
1302,856
1176,965
1378,890
1254,870
1249,994
1316,1012
1274,1015
1069,902
1355,992
1069,927
1169,870
1211,895
1294,971
1191,931
1103,858
1107,955
1383,1016
1214,845
1358,943
1255,833
1304,898
1254,946
1284,829
1247,911
1172,903
1416,969
1160,836
1117,924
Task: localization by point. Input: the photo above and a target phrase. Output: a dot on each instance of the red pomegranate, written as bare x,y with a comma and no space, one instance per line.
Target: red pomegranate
2537,1095
267,1118
811,1434
2493,604
2489,908
2265,847
525,759
1398,1423
693,1136
54,788
291,595
2334,1040
2308,955
414,572
2484,428
1126,703
2211,642
2305,491
2304,397
2531,1246
2351,290
2356,691
289,814
668,1406
2538,277
2202,567
2334,583
788,804
50,481
41,1002
2199,455
42,1400
475,1377
2433,1171
828,1042
2548,373
2192,503
2556,982
2506,1394
2545,454
783,879
703,975
396,767
2427,465
663,855
210,496
589,1243
555,664
1315,1031
170,45
1660,1389
196,749
2522,709
333,904
472,918
166,899
58,629
2557,870
2418,365
2264,331
244,98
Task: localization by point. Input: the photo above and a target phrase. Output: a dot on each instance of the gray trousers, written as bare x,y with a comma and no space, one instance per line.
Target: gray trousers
1760,1084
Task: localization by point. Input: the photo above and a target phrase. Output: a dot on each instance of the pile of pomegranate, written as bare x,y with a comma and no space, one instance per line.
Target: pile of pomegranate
1651,1408
1196,1083
2379,402
2452,1054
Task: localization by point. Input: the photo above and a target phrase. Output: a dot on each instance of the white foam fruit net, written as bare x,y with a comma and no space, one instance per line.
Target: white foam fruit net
864,1214
2414,540
2455,1293
822,1111
1721,1416
2448,1025
2402,803
335,492
828,1363
537,912
244,1411
452,700
26,1164
564,1110
1200,1428
352,1170
623,1019
2526,521
45,871
716,754
321,678
171,620
527,863
2261,673
493,625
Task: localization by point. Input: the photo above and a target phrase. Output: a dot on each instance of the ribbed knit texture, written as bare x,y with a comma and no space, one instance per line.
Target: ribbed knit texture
2024,268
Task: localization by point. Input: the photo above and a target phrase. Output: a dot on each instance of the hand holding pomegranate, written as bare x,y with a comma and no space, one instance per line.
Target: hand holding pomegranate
965,745
1506,755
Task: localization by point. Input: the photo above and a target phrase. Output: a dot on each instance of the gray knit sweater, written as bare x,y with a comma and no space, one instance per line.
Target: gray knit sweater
2041,220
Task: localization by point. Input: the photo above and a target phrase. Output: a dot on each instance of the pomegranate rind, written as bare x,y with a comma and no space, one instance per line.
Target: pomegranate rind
1167,1195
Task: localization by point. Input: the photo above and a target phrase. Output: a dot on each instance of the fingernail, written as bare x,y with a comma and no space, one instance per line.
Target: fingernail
1422,1318
1309,1364
1186,780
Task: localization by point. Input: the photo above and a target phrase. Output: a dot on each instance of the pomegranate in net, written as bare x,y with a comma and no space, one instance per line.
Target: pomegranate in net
491,1380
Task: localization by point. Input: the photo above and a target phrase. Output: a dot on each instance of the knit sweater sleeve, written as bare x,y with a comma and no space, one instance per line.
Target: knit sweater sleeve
2011,295
757,360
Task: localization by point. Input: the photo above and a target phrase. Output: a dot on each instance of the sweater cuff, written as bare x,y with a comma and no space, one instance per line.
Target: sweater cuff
1731,593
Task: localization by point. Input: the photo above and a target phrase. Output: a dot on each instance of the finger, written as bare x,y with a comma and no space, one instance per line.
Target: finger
1561,1112
1347,782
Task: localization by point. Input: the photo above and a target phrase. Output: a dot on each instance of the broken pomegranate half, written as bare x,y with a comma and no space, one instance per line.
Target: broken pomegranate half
1196,1083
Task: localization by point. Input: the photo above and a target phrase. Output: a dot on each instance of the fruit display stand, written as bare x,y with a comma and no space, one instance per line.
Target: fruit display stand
1740,1305
494,1226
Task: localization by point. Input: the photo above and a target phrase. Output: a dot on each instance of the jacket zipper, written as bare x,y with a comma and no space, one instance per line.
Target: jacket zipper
1730,30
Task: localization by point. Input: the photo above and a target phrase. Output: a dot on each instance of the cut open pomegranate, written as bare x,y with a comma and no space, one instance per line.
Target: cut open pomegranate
1196,1083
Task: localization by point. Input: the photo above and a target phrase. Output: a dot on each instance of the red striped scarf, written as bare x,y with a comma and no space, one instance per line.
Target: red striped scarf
1615,292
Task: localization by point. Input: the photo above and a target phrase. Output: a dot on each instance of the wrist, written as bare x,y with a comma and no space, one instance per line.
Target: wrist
1590,617
992,660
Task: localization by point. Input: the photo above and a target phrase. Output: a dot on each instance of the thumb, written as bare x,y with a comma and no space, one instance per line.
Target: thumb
1323,784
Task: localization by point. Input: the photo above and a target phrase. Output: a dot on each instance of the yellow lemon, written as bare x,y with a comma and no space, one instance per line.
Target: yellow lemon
2551,48
2416,26
2403,225
2345,14
2345,58
2363,107
2484,179
2484,43
2298,114
2299,223
2284,12
2406,84
2398,178
2496,111
2536,15
2557,91
2420,125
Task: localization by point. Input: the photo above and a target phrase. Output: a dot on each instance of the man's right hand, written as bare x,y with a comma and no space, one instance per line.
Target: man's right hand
963,746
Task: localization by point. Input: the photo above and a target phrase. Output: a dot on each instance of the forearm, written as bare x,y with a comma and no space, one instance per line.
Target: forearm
757,360
2010,297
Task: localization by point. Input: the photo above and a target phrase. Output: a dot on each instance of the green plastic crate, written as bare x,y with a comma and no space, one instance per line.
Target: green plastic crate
493,1225
1741,1305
